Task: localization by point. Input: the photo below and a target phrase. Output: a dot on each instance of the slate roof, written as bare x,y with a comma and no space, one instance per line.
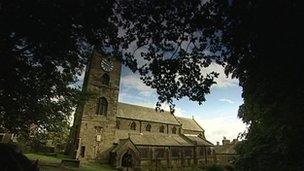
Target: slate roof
154,139
129,111
120,144
199,141
189,124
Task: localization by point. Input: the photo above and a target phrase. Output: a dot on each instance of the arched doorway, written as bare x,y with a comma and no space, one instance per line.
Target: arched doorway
127,161
127,155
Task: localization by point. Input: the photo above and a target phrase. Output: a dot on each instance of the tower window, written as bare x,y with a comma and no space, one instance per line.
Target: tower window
82,151
105,79
133,126
162,129
148,127
102,107
173,130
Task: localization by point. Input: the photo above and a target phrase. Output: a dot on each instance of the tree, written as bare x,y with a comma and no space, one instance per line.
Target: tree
44,140
42,50
265,42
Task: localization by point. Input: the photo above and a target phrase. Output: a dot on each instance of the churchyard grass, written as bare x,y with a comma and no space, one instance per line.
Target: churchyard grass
52,163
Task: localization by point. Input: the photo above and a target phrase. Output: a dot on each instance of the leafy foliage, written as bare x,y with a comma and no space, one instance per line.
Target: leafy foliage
265,43
169,43
215,167
42,50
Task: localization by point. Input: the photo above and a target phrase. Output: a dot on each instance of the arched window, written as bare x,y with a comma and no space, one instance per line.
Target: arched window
102,107
148,127
133,126
174,130
162,129
209,151
105,79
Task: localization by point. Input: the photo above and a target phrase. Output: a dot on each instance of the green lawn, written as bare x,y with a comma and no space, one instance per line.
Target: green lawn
50,163
95,166
44,159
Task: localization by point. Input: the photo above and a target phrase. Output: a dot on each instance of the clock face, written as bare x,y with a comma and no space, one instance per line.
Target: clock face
107,65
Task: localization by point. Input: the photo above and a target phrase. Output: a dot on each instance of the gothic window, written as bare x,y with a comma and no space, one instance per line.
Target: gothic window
148,127
201,151
188,152
102,107
82,151
144,152
174,130
175,152
162,129
105,79
208,151
159,153
133,126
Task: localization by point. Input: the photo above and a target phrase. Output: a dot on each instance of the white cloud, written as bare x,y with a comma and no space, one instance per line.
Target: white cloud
133,82
218,127
222,80
177,111
226,100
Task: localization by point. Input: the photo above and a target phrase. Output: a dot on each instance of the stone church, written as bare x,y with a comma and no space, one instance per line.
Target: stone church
131,136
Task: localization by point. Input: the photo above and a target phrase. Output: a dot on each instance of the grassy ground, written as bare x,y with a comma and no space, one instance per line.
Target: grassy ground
52,163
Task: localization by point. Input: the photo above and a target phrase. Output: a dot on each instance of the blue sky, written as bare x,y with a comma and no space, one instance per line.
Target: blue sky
218,115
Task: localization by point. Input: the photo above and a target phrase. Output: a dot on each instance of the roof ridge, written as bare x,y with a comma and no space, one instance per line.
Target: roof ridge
130,111
198,124
189,124
130,104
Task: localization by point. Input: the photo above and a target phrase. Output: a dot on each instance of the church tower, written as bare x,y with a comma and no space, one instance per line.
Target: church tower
94,126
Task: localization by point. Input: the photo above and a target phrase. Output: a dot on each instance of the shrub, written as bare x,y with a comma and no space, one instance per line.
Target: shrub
215,168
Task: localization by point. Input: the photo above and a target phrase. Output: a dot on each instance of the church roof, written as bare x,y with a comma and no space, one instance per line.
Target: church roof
189,124
121,143
199,141
154,139
135,112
